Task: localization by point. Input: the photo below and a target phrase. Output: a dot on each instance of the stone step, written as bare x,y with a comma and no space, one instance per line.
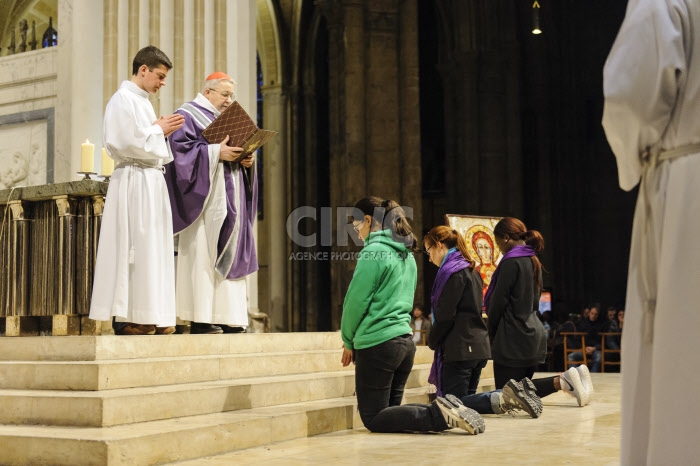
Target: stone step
109,347
142,404
130,373
165,441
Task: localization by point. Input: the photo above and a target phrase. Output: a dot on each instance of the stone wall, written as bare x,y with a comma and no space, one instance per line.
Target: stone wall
28,94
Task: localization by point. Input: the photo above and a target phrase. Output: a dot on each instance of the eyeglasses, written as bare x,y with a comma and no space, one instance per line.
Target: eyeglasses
225,95
358,226
427,251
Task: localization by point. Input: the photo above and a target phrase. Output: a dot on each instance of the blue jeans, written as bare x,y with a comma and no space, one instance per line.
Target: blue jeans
381,373
484,403
593,360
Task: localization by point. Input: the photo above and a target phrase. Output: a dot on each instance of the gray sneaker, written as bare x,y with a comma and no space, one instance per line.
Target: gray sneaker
515,397
465,418
478,421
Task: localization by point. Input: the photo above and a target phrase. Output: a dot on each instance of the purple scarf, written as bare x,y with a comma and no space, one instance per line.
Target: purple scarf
516,251
454,262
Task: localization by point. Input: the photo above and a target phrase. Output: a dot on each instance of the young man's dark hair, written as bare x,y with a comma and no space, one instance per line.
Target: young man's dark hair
152,57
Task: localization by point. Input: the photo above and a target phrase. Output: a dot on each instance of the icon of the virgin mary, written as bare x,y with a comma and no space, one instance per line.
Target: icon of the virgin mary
482,248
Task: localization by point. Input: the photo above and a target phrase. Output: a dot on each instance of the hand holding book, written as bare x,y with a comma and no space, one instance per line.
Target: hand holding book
229,153
241,130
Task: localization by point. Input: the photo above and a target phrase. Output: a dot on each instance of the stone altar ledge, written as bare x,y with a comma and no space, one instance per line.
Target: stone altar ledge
49,191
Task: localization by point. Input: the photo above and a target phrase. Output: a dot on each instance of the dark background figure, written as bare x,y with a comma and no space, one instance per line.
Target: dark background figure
420,323
592,326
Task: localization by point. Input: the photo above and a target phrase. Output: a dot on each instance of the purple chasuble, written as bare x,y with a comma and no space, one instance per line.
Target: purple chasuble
516,251
189,187
453,264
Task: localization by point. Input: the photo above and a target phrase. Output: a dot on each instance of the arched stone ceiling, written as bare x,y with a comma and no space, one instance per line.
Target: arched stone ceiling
39,11
267,34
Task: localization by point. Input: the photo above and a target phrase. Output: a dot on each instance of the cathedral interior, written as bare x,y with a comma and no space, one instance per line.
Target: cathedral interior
446,106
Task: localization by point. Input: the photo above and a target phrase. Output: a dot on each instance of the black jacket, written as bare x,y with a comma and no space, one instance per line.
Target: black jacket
458,325
518,338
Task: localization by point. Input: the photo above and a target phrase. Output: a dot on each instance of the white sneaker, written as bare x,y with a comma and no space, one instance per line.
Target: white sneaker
462,418
572,385
587,382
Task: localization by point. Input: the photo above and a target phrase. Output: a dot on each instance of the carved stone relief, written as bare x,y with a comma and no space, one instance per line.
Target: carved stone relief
23,154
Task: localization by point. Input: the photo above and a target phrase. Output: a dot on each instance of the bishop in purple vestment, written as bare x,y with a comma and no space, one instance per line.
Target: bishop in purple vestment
214,203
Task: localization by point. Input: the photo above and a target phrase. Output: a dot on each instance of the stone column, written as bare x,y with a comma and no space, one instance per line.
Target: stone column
167,44
110,80
188,85
240,63
375,132
209,39
241,51
144,15
124,58
275,208
347,114
79,111
409,115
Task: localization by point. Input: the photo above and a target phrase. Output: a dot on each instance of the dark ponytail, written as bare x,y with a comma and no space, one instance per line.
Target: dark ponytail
388,215
511,227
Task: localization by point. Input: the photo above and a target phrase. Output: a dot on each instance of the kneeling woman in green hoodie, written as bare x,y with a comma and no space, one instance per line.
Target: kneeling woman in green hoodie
375,328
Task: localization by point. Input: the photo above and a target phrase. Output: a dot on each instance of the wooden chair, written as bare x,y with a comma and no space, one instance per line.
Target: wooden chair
423,337
568,350
604,350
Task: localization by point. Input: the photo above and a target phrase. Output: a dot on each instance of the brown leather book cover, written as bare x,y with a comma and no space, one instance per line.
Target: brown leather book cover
240,128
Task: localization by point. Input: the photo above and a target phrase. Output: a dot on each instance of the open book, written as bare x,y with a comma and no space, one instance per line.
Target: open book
240,128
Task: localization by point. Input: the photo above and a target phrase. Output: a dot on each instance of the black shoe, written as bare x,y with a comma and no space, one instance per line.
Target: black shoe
209,329
231,329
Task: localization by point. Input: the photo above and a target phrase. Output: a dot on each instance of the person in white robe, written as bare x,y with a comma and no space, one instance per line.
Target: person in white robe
652,122
134,270
214,206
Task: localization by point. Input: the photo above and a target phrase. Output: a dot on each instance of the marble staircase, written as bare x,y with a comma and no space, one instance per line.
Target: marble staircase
110,400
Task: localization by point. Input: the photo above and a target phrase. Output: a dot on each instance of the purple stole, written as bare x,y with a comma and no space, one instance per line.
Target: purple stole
516,251
453,263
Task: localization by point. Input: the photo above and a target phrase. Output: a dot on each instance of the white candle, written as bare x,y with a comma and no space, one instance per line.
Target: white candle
107,163
87,157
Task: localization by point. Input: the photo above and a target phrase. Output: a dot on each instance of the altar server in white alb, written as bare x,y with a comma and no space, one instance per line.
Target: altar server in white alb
135,268
652,122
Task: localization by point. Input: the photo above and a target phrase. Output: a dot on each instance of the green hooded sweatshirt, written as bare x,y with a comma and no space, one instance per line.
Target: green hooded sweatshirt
379,300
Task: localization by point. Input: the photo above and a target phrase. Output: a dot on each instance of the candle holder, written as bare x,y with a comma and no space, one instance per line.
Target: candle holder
86,175
105,179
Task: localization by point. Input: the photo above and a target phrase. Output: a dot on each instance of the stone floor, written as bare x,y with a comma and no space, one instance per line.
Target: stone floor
564,434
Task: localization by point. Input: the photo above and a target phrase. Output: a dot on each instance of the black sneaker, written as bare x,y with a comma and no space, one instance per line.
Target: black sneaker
209,329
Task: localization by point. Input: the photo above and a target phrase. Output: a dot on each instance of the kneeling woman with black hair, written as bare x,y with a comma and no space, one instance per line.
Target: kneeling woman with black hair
375,326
